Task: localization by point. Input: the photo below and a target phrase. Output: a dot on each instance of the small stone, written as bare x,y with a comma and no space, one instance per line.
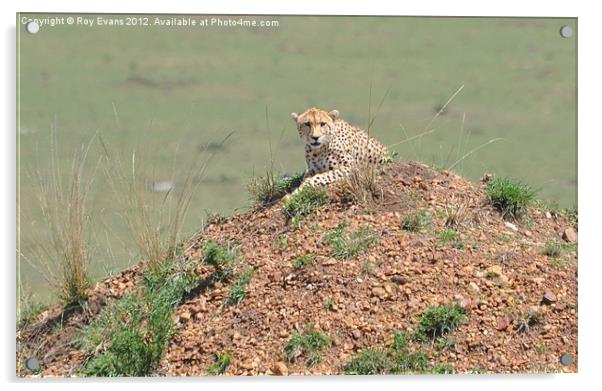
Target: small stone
495,270
185,316
535,310
511,226
548,215
276,277
280,369
465,304
569,235
379,292
473,287
433,257
389,289
399,280
548,298
356,334
546,328
502,323
417,179
504,280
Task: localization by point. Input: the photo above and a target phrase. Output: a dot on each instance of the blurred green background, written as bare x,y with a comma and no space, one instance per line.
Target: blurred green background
169,92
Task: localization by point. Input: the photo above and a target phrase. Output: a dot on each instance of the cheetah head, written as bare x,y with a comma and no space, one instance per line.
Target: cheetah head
315,126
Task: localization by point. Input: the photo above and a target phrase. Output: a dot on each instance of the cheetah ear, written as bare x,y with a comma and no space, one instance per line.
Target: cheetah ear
294,116
334,114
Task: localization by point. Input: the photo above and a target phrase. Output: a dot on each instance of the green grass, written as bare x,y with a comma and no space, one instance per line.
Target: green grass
392,360
28,309
225,259
552,249
416,221
370,362
281,242
559,263
221,364
238,290
304,202
445,342
510,197
450,238
346,245
222,257
303,260
391,156
268,189
129,336
437,321
557,252
367,266
329,304
442,369
307,344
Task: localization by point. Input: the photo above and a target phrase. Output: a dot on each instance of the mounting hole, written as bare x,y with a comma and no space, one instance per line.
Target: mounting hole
32,363
566,359
566,31
32,27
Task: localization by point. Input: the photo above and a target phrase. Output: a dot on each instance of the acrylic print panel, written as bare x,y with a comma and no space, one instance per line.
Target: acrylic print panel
415,214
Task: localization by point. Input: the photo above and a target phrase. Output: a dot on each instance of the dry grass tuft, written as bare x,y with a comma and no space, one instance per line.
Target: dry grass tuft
360,186
64,258
155,222
456,211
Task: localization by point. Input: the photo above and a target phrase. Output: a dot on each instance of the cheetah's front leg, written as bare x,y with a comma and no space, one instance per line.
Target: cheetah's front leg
324,178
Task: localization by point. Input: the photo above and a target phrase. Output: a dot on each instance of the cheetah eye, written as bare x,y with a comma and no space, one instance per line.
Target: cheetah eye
322,124
307,124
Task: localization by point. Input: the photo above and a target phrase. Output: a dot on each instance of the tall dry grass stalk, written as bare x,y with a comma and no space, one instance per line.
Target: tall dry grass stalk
65,257
457,210
359,186
155,223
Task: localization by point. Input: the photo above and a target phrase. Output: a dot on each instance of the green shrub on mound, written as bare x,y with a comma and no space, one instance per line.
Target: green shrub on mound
303,202
131,334
511,198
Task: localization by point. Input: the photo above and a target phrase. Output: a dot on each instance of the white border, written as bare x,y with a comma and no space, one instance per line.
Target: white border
590,277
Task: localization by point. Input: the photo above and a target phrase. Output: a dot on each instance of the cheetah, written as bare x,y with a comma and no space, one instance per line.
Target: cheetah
333,147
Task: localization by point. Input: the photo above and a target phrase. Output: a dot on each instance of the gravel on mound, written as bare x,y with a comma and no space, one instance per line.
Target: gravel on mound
520,305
